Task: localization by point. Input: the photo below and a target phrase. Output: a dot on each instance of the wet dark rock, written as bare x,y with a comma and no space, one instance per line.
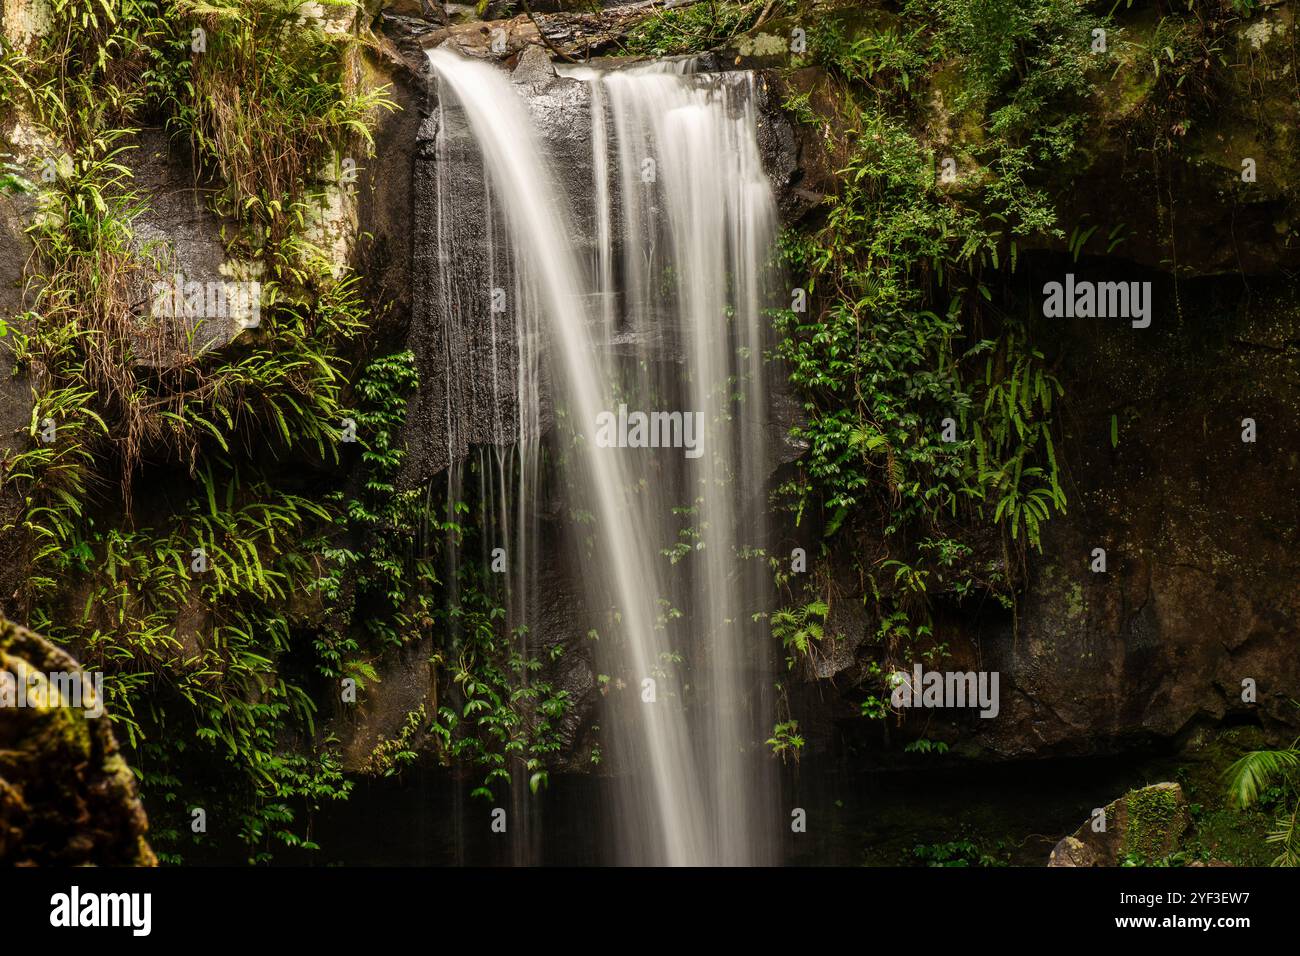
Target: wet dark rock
16,398
779,146
466,359
387,187
467,371
1201,530
407,684
406,30
796,154
458,404
429,10
15,392
579,35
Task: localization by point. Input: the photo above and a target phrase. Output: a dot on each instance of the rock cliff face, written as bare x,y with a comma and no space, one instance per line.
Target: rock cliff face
15,394
1198,604
1200,528
468,365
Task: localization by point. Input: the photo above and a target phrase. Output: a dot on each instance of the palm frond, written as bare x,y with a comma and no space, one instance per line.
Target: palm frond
1256,771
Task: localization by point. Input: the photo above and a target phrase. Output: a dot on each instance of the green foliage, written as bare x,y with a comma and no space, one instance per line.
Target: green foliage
1013,430
213,673
1269,777
1017,60
924,746
376,575
192,652
693,28
798,629
957,853
13,177
786,741
1151,817
911,321
266,77
495,714
1136,859
1257,771
206,668
499,716
390,756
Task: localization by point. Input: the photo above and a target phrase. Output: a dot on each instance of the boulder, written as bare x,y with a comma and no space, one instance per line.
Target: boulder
67,796
1147,823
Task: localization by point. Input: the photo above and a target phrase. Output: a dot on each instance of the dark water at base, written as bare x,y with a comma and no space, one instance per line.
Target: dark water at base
1013,813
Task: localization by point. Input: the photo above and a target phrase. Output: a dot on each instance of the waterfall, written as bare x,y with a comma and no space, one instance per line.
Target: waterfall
640,291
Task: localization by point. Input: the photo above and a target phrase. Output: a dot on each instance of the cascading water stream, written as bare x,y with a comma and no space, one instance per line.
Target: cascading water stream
665,315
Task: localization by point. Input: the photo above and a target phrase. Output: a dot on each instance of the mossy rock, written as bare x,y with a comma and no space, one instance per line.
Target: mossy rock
1156,819
67,796
1144,825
